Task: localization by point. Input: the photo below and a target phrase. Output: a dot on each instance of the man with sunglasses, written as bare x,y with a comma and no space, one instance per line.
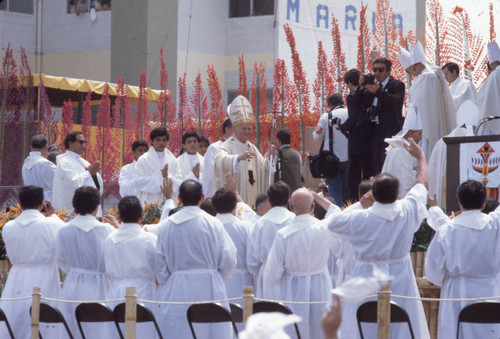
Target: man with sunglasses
73,171
385,97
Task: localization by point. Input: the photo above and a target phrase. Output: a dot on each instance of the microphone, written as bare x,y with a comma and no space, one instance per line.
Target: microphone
491,117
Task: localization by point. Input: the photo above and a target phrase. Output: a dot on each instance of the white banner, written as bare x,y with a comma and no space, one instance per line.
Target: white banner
480,161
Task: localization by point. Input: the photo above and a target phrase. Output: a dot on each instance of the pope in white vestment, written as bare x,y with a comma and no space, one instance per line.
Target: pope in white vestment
239,156
80,254
297,262
194,256
463,258
38,171
30,241
258,247
71,173
488,98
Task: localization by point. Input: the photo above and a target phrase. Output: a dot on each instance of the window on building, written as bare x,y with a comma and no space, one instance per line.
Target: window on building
241,8
18,6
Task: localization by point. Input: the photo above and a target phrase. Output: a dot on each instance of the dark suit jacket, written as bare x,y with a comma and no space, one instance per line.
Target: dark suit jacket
358,129
389,108
290,168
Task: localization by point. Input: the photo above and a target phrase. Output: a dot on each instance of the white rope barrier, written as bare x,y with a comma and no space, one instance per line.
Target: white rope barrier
187,302
291,302
444,299
82,301
14,299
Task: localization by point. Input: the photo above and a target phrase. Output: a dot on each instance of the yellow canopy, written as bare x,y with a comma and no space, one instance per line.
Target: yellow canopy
84,85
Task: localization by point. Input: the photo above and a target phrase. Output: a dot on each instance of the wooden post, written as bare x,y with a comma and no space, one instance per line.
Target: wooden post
384,313
130,313
35,313
247,303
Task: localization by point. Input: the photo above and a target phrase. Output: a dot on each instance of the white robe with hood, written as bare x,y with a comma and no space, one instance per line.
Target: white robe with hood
38,171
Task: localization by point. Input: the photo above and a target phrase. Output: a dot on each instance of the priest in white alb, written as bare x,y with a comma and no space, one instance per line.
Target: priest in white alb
488,98
191,162
430,96
194,256
155,165
80,254
381,237
460,89
208,159
239,156
73,171
262,237
30,241
126,179
224,201
298,260
129,254
467,118
37,170
464,259
398,161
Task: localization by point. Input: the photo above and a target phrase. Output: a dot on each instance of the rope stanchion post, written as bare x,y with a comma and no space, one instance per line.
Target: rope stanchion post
35,313
384,313
130,313
247,303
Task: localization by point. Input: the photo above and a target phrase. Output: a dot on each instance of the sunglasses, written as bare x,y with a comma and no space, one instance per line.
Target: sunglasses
378,69
82,142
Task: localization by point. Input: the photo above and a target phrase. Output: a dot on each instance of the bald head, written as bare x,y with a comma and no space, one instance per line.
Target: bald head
302,201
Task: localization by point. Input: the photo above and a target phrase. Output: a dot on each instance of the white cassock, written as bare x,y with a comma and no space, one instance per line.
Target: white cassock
258,247
71,173
187,162
194,256
149,178
431,98
402,165
226,162
347,261
388,249
129,254
464,259
488,100
80,254
38,171
239,231
297,262
30,241
208,168
462,90
126,180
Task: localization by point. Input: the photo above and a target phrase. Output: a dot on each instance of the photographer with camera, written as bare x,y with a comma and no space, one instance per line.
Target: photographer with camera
359,132
337,182
385,96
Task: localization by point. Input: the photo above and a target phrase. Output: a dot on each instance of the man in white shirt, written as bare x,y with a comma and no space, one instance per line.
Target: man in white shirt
191,162
30,241
73,171
224,202
262,237
37,170
80,254
208,168
129,256
155,165
337,184
194,256
382,236
464,259
298,260
127,173
460,89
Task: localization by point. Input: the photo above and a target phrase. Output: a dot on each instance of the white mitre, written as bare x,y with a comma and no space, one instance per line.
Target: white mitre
240,111
418,55
412,122
468,114
405,58
493,52
268,325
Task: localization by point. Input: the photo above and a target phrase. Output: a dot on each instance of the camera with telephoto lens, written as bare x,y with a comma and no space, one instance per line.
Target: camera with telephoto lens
372,114
369,79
